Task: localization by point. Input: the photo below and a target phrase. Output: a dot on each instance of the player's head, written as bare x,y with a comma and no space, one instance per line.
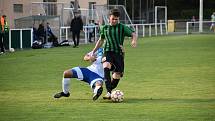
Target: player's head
114,16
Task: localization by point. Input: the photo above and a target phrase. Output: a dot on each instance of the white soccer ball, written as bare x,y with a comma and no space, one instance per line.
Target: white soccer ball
117,96
12,50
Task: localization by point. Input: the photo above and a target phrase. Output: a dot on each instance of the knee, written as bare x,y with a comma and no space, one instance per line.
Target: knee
107,65
67,74
99,83
117,75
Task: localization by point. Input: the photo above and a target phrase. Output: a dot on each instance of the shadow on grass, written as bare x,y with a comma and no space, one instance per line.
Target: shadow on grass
140,100
168,100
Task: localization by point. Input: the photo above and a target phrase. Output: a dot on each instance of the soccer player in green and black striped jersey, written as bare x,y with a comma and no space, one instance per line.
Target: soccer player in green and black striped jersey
112,38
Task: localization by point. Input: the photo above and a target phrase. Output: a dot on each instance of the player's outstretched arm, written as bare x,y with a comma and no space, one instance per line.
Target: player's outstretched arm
98,45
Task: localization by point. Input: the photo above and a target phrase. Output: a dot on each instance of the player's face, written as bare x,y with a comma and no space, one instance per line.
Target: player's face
114,20
92,58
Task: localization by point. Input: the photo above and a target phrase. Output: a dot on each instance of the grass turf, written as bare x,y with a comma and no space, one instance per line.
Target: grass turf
166,78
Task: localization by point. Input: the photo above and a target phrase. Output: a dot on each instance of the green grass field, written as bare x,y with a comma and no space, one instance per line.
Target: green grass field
169,78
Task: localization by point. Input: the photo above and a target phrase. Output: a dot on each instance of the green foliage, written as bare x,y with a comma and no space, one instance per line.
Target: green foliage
168,78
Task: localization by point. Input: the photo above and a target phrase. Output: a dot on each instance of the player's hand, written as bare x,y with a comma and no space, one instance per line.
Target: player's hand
134,40
122,48
133,43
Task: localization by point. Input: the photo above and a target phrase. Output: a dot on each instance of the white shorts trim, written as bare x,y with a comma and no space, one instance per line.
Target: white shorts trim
95,80
79,73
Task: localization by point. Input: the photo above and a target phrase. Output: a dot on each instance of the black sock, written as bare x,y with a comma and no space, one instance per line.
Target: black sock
114,83
107,79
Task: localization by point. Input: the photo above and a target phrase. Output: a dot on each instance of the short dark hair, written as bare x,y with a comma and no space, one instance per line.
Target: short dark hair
114,12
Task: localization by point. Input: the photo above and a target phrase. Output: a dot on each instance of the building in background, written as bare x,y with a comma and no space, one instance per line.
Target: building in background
15,9
139,11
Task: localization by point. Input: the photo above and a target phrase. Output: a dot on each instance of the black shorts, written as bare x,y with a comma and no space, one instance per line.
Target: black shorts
116,60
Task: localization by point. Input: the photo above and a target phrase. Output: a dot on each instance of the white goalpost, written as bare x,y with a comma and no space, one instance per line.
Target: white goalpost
156,19
193,27
200,16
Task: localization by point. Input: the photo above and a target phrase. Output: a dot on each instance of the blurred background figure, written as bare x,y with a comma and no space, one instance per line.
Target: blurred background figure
212,27
76,27
51,37
35,37
193,20
41,33
4,29
91,30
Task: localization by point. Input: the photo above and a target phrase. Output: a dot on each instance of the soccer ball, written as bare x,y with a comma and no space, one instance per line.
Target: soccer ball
117,96
12,50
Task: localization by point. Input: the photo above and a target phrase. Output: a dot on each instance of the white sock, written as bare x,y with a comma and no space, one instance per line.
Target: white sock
65,85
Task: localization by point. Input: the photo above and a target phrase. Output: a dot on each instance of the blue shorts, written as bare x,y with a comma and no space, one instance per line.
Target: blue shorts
84,74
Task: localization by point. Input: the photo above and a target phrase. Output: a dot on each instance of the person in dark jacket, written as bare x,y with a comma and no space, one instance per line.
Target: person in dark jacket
76,27
41,33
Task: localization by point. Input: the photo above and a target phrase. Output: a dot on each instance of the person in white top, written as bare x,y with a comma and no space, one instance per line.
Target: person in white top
91,30
93,75
212,27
